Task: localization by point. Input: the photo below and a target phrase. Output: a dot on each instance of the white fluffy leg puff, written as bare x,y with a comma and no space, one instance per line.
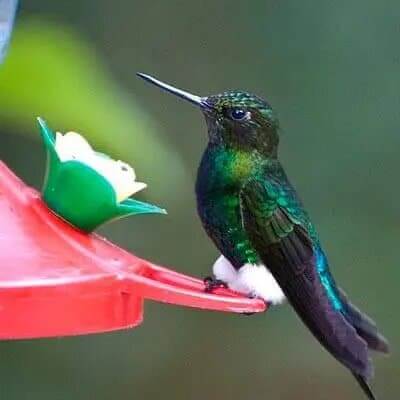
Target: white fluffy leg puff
250,279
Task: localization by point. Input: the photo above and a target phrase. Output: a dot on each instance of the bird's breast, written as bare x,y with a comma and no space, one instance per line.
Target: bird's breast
219,181
223,171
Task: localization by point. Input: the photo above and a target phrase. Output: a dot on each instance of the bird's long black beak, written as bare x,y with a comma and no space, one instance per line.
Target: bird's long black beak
192,98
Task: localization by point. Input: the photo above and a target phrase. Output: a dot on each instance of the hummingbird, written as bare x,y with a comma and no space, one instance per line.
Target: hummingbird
269,247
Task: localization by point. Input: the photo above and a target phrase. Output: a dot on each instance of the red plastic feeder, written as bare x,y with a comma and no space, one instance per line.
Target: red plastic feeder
56,280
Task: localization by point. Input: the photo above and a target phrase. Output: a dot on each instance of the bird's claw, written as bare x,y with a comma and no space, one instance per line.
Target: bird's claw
211,283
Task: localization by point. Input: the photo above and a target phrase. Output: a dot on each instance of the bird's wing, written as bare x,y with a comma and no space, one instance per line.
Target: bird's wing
271,203
282,235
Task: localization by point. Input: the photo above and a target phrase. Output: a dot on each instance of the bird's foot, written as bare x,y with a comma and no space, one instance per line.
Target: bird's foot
211,283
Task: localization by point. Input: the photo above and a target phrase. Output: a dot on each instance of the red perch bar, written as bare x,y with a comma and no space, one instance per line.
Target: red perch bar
56,280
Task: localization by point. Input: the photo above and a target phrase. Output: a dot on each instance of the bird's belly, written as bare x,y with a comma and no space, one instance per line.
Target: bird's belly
250,279
239,265
218,205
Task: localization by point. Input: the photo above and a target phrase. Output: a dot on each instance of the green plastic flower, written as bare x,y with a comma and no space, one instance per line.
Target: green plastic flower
87,188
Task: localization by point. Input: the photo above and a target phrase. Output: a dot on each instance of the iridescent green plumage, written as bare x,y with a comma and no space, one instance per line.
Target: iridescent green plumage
253,214
218,179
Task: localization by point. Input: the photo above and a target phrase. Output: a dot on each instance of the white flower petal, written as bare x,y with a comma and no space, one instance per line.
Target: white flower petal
128,190
126,169
138,186
121,176
72,146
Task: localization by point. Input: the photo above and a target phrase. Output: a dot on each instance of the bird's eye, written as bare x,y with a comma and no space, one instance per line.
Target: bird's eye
238,114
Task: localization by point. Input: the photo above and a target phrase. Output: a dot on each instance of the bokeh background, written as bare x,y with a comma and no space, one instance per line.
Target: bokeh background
330,69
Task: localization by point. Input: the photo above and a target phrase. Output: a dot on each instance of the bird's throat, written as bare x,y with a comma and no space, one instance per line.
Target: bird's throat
227,169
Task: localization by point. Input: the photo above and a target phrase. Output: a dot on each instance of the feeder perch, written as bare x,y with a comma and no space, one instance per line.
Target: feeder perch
56,280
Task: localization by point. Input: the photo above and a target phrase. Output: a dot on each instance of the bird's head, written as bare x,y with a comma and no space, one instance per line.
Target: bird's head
235,119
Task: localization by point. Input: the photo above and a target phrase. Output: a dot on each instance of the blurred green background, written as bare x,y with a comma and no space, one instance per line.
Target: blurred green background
330,69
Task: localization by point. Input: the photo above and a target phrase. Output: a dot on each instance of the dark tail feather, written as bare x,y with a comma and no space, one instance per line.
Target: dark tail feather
365,327
365,387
